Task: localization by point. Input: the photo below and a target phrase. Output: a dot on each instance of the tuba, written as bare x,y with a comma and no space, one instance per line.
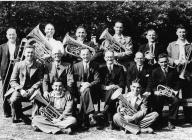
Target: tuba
47,110
167,91
74,47
42,46
129,110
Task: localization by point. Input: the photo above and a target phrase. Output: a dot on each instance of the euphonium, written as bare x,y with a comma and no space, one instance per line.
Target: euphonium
48,111
167,91
74,47
113,44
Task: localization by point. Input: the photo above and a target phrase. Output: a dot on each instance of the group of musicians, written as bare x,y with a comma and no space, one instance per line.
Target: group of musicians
69,80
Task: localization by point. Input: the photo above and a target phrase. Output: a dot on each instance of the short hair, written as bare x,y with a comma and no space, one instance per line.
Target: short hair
81,27
57,80
110,50
162,55
84,48
49,23
140,53
11,28
119,21
137,80
180,26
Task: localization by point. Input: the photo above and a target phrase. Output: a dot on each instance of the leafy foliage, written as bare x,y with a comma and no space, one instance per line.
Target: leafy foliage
66,16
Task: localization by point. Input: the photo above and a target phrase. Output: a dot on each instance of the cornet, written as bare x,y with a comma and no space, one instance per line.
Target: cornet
167,91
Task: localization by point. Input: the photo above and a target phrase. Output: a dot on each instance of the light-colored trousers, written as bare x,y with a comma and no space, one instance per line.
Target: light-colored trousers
144,123
48,127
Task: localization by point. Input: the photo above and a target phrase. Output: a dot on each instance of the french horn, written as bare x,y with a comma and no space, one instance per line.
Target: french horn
74,47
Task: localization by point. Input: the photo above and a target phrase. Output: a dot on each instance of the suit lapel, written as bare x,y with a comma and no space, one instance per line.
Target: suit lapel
60,71
16,51
7,50
81,69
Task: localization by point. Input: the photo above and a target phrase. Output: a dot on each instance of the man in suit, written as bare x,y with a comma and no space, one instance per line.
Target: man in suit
138,69
58,70
8,52
125,41
152,48
26,79
139,118
87,80
112,78
168,77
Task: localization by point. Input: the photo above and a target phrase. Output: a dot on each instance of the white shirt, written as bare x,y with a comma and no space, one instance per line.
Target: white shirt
182,48
11,50
110,67
86,65
119,38
153,47
139,68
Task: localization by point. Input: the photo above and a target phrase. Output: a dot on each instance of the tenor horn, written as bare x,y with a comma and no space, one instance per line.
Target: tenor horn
74,47
167,91
47,110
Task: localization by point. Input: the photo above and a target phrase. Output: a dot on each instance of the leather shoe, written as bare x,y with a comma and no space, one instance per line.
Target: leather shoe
16,121
67,131
147,130
92,121
7,115
26,120
171,126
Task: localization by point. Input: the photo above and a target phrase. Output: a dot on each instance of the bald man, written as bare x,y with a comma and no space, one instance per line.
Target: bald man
8,52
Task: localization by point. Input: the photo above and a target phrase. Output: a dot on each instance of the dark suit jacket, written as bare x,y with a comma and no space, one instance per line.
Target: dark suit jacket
5,58
144,75
64,74
116,77
19,78
158,77
158,49
93,74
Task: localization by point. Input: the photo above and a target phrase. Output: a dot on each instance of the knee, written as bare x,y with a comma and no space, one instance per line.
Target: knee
155,115
116,117
73,120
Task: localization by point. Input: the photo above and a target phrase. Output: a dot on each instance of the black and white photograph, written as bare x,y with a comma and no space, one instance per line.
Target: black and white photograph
96,70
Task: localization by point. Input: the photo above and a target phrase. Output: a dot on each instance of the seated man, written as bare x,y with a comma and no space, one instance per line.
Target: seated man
86,77
139,104
112,78
65,121
167,77
26,78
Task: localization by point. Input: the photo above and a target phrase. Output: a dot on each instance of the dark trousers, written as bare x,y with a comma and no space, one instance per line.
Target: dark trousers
110,107
159,102
186,87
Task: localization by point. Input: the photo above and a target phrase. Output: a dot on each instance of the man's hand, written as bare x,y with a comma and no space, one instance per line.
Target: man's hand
68,95
128,118
149,56
111,87
157,93
30,91
147,94
46,94
23,93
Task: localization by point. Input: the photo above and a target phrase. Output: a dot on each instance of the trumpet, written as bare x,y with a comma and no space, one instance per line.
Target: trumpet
74,47
167,91
129,110
113,44
48,111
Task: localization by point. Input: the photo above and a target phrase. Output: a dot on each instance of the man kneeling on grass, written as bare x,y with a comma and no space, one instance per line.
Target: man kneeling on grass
132,111
65,122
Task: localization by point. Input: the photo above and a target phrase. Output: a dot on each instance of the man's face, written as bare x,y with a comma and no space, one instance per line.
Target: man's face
81,33
85,55
11,35
118,28
163,62
139,59
29,54
135,88
109,58
151,36
57,86
49,30
57,56
181,33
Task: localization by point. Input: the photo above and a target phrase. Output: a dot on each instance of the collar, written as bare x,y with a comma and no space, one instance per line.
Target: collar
150,43
11,44
29,65
165,69
86,63
179,42
130,95
50,39
53,94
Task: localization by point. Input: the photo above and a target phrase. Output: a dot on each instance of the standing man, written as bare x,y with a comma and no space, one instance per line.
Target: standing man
8,52
139,70
50,31
125,41
26,79
152,48
167,77
179,53
112,78
87,79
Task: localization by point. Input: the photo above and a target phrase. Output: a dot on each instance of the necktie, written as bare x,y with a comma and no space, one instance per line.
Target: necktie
110,68
86,68
151,48
165,72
